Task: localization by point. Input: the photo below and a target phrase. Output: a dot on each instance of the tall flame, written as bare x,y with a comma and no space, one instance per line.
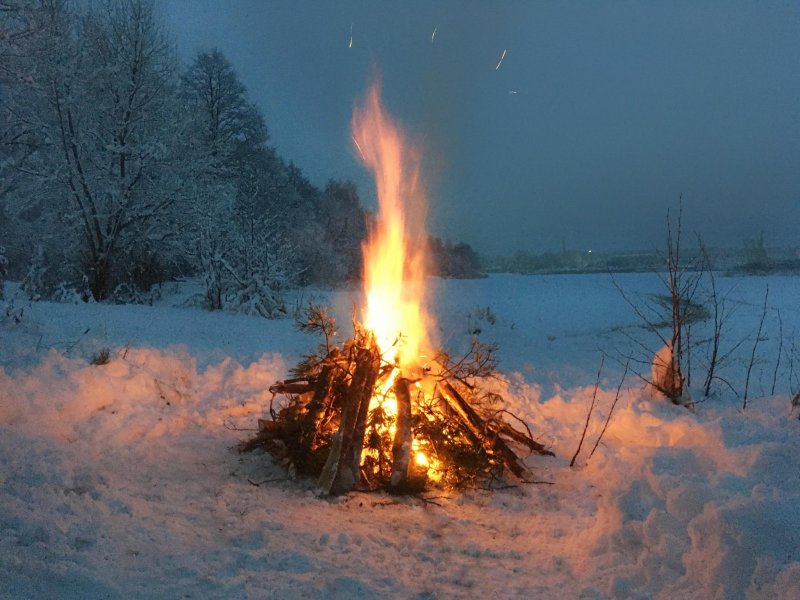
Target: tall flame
394,253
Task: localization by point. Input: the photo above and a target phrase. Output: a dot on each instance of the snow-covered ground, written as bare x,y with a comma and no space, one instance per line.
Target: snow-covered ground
122,480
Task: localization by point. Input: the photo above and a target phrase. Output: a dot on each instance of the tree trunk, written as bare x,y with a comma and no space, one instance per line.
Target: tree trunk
99,278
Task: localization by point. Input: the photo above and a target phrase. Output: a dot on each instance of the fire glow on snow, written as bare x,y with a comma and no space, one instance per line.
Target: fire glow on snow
119,480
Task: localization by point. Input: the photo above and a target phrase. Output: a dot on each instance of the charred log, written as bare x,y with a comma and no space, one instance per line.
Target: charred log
342,469
293,386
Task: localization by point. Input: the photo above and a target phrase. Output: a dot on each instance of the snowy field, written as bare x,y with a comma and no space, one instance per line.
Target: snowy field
122,480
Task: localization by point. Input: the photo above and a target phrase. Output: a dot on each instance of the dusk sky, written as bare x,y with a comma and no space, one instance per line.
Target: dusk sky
600,116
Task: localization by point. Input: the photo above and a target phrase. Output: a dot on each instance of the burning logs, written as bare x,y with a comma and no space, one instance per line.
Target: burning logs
354,420
342,469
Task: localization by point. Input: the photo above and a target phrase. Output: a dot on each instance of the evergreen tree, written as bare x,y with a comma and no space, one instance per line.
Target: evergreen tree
344,222
240,191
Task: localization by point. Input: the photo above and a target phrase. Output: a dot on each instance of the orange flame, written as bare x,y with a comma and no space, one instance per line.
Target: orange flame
394,253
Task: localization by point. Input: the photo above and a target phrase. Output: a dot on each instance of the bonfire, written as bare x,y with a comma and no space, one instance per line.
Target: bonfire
384,410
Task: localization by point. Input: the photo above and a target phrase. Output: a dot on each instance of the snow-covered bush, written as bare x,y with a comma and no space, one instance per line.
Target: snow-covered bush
46,279
66,293
258,270
259,296
128,293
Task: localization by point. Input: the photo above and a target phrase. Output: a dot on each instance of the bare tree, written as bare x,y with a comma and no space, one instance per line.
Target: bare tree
720,313
670,364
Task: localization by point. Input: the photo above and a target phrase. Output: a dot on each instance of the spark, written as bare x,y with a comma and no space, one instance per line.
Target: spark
500,62
350,43
433,35
360,151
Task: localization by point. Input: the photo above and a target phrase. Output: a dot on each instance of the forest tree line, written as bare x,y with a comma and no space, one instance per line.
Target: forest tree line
121,169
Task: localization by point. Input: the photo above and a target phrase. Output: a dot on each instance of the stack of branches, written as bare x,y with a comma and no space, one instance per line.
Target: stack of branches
336,420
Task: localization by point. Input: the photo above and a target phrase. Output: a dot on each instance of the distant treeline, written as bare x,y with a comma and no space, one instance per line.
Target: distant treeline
571,262
752,258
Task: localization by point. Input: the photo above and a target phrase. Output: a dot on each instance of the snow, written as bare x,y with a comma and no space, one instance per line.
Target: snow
122,480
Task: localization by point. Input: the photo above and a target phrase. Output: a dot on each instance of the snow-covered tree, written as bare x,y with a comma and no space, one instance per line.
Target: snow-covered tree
129,173
453,260
240,192
17,27
35,282
100,99
22,28
226,128
212,228
261,266
335,255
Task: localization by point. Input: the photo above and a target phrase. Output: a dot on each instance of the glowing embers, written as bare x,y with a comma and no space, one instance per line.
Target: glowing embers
394,451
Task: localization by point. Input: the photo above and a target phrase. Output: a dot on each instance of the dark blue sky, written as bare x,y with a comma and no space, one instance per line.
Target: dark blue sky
600,116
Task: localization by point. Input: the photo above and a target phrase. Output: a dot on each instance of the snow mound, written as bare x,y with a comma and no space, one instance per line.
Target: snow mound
119,479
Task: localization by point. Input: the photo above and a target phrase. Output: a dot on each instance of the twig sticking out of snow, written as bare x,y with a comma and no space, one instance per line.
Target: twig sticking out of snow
591,409
611,410
755,346
780,353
